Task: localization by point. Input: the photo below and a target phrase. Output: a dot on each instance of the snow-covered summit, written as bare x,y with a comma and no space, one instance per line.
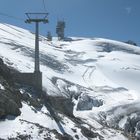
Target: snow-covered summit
93,69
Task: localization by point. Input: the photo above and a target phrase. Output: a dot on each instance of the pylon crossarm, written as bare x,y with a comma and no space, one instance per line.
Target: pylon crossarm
37,13
37,17
36,20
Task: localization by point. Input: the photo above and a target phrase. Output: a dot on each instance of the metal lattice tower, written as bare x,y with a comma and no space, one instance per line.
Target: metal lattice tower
37,18
60,29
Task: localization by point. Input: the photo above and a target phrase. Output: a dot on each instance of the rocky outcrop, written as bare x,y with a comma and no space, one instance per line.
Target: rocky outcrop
10,97
132,126
86,102
5,72
8,106
90,134
61,104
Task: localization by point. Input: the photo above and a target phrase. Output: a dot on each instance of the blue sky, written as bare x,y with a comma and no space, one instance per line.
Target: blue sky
114,19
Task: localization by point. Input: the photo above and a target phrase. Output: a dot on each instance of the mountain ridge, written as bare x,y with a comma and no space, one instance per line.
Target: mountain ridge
98,78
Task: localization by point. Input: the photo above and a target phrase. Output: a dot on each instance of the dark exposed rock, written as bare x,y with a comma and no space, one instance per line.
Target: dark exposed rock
109,47
132,126
138,126
21,137
32,101
88,133
2,112
4,71
10,103
8,106
86,102
77,137
131,42
67,137
137,131
62,137
62,104
10,97
74,130
24,137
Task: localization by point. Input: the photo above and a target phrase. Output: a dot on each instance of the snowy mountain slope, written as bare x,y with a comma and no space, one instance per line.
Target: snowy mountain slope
98,71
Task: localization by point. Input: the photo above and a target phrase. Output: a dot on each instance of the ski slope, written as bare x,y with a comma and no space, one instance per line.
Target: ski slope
103,69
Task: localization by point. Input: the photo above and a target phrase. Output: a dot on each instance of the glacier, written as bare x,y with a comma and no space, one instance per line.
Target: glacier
94,68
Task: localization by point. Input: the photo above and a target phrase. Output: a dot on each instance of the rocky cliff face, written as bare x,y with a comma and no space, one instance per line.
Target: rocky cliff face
10,97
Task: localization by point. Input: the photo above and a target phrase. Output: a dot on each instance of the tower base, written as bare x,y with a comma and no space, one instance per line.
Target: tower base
31,79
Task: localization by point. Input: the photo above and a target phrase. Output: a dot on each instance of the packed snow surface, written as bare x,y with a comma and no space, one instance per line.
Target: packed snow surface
103,69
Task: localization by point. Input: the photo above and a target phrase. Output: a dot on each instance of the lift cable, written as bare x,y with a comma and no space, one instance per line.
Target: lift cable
44,5
10,16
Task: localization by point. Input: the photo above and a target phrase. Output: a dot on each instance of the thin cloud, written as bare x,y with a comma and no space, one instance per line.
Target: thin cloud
128,10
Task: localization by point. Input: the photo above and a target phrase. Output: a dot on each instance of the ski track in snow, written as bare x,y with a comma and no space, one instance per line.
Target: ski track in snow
87,75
